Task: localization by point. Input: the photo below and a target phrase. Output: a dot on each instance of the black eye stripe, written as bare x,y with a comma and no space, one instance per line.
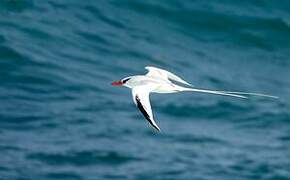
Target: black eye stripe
125,80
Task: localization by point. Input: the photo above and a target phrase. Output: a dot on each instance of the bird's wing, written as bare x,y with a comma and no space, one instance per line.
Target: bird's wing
161,73
141,99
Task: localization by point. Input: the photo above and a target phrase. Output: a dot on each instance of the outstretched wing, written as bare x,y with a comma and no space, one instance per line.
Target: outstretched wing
141,99
161,73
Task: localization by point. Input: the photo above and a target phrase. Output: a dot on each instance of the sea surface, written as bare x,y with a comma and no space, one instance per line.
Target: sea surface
61,119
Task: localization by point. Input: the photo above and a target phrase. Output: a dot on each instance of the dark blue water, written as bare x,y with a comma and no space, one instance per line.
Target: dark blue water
61,119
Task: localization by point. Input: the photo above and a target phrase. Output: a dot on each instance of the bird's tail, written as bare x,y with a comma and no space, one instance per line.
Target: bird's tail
228,93
251,94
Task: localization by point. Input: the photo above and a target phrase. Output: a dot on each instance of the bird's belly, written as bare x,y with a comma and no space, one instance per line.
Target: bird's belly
166,89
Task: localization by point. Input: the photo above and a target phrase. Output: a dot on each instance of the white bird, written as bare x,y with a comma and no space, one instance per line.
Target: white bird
161,81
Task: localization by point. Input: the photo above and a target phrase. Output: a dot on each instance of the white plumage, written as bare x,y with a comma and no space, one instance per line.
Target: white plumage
161,81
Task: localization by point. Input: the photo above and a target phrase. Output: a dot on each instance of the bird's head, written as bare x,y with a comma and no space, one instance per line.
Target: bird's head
121,82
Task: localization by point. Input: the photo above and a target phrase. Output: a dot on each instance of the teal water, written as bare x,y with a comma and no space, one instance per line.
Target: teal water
61,119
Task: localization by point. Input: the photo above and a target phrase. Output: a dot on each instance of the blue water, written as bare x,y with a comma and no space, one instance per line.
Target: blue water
61,119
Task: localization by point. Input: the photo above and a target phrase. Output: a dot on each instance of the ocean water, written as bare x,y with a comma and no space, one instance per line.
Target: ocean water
61,119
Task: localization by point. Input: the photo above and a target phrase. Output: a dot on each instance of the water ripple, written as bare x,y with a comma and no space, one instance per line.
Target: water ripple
84,158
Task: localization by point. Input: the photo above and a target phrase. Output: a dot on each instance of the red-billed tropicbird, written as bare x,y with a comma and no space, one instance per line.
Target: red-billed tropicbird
160,81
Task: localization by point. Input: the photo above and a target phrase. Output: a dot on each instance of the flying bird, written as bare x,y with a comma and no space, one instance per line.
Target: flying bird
161,81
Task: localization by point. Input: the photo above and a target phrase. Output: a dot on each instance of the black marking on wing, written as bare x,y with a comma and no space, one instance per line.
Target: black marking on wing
143,111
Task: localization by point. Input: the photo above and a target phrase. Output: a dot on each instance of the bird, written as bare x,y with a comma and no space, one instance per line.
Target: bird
158,80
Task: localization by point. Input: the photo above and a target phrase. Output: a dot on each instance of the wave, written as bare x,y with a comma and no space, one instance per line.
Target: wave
83,158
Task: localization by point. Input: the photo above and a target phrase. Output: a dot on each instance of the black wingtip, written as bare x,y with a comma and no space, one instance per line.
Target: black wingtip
157,128
145,114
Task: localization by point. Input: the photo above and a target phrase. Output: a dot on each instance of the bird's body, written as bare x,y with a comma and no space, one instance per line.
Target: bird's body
157,85
161,81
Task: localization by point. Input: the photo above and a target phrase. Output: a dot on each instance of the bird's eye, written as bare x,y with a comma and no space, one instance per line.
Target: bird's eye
125,80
